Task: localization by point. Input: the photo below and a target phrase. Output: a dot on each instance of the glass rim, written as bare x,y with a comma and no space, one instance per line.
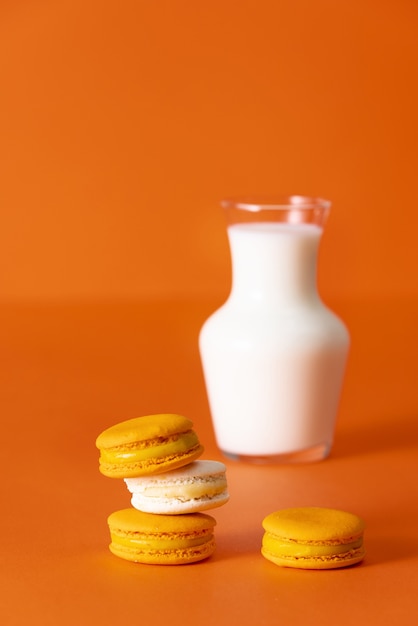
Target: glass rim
275,203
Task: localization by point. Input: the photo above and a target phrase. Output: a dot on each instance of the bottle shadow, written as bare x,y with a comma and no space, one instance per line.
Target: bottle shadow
377,435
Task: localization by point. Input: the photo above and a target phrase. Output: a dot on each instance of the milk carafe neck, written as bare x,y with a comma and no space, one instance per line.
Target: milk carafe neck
274,264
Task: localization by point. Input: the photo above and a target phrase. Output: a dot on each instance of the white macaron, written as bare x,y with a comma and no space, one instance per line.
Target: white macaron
198,486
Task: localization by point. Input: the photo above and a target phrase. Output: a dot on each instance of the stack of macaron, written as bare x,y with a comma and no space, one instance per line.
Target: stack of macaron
156,456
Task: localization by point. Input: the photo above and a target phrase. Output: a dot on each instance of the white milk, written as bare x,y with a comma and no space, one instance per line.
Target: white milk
273,355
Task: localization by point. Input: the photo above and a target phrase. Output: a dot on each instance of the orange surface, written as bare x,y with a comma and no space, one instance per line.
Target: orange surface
69,371
122,125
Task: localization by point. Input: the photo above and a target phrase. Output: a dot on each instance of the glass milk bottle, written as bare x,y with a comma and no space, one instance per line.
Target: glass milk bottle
274,355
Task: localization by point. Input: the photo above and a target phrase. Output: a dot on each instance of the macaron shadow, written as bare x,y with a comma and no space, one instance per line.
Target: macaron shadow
389,548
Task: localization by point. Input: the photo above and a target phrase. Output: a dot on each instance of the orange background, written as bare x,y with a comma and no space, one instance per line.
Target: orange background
123,124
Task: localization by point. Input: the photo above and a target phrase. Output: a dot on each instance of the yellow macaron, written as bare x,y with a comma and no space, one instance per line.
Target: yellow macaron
147,445
313,538
161,539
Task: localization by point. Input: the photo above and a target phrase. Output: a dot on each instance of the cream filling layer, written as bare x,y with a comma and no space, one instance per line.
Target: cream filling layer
143,542
188,490
282,548
146,450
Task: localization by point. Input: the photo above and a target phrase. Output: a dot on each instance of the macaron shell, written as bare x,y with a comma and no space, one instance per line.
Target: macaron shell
143,428
314,524
129,520
200,469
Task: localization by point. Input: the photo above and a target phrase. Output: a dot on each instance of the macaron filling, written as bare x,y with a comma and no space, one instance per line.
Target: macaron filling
294,549
195,492
182,490
149,542
175,556
150,449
